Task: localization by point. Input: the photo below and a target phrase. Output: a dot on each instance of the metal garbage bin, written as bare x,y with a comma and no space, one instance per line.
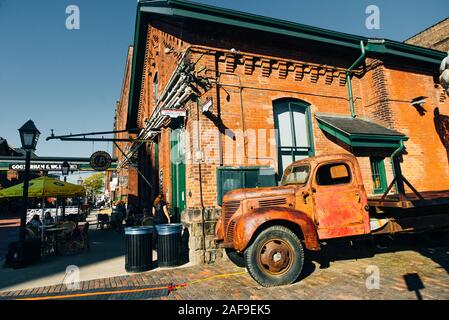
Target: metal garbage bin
139,248
169,245
23,255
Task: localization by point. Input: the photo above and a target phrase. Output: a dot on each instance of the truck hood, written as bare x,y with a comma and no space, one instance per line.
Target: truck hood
242,194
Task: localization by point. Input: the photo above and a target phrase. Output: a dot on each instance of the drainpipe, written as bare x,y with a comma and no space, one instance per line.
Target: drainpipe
396,173
200,176
217,88
348,78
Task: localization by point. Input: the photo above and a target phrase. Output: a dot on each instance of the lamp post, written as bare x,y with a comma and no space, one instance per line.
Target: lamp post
65,168
28,136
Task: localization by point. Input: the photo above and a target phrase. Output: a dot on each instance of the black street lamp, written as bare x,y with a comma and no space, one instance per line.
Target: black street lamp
65,168
28,136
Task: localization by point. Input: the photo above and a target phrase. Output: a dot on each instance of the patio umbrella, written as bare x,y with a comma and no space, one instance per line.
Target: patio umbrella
45,187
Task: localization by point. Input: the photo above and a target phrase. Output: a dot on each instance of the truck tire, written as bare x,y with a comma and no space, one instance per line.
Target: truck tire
237,258
275,258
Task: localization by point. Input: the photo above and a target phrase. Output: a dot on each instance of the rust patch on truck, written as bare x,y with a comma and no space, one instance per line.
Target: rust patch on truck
247,225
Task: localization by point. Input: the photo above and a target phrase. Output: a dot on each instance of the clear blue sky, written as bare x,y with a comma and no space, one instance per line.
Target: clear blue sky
70,80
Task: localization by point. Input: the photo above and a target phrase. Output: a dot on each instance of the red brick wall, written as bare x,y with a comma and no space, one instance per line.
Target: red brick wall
426,161
435,37
130,190
274,68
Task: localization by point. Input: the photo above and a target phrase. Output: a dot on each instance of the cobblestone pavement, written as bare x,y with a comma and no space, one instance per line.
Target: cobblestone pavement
408,269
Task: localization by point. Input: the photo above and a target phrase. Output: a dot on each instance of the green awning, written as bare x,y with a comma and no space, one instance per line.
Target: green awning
359,132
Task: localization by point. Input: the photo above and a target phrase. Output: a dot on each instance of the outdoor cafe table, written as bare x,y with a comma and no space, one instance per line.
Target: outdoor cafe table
51,230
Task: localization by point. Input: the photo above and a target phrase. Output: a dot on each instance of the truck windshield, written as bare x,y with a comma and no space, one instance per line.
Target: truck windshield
296,175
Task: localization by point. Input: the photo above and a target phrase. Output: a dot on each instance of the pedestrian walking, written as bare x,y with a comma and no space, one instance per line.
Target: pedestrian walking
118,215
160,211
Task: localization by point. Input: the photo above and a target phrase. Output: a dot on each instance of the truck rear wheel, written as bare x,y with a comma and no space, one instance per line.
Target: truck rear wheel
275,258
237,258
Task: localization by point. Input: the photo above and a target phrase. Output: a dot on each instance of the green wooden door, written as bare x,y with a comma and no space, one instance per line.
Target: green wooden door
178,171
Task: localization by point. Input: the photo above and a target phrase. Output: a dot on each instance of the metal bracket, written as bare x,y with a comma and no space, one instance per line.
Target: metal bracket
82,137
132,166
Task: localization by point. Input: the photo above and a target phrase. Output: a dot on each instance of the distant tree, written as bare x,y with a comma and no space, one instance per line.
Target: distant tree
94,184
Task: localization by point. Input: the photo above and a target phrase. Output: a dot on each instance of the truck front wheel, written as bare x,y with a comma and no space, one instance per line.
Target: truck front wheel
237,258
276,257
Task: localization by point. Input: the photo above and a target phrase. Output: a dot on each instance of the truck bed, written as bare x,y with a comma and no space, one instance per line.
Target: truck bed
431,198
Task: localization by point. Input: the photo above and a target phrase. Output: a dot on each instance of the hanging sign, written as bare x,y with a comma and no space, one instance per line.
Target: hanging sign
42,167
207,105
173,113
100,161
161,180
123,181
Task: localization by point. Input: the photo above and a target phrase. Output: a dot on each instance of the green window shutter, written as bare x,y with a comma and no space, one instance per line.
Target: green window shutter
227,180
266,177
378,175
232,178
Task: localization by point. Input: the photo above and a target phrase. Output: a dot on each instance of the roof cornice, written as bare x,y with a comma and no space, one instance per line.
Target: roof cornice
192,10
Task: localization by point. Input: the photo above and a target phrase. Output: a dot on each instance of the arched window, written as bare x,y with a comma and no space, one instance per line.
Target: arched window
294,132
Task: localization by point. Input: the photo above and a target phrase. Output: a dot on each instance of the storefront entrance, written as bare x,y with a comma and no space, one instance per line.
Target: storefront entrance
178,170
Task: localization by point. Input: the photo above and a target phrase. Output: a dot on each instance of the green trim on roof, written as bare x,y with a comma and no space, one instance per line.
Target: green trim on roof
363,140
134,93
192,10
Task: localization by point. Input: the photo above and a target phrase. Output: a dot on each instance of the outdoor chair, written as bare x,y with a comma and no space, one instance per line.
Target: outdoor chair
73,218
103,220
148,221
77,242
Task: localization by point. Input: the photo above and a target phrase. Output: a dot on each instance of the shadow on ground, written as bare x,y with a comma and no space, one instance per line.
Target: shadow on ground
107,248
434,246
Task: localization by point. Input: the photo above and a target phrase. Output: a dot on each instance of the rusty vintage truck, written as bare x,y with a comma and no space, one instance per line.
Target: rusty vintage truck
320,198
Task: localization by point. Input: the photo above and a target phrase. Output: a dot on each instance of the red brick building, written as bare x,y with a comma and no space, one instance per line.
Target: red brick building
435,37
229,99
124,179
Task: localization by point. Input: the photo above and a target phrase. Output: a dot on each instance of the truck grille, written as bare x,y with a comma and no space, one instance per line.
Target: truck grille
230,231
229,208
273,202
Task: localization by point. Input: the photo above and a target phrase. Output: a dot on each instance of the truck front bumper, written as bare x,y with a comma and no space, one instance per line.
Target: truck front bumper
222,244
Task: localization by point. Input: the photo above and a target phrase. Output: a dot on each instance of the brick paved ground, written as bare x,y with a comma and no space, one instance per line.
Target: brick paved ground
340,274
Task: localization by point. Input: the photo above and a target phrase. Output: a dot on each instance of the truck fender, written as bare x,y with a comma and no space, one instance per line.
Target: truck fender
247,225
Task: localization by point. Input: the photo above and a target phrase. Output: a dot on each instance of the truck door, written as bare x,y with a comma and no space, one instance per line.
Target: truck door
339,202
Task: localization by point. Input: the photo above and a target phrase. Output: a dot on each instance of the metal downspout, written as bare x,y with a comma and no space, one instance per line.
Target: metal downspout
348,78
200,176
395,154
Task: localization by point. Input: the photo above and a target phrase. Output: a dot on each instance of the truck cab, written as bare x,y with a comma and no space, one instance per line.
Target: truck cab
319,198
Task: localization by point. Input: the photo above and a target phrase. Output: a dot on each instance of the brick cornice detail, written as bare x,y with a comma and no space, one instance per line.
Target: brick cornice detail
282,68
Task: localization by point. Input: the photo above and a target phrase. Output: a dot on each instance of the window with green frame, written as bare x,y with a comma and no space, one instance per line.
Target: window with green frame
293,122
378,174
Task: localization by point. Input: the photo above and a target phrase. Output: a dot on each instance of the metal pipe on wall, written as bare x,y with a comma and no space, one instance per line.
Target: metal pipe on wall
349,75
217,89
200,176
242,112
396,167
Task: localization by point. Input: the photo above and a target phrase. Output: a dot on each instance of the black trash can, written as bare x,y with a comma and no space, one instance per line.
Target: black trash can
139,249
22,256
169,245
